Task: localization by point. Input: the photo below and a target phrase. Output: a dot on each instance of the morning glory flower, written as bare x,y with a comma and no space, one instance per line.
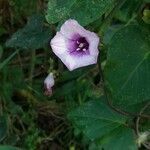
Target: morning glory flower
48,84
75,46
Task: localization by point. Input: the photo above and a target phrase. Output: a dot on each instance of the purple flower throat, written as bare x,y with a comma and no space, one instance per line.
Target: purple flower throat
82,45
79,46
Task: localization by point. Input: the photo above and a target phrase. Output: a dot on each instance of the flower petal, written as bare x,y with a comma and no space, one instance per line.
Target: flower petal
48,84
74,62
58,43
71,27
49,81
93,46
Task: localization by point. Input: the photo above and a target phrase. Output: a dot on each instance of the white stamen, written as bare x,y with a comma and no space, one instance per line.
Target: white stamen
78,49
84,49
81,45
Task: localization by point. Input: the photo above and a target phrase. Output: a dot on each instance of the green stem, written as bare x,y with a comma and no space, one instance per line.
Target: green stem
32,66
6,61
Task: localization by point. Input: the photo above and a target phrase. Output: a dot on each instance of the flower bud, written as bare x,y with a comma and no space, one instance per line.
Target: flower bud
48,84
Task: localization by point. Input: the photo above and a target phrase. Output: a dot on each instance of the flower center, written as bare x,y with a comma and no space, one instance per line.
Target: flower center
78,45
82,45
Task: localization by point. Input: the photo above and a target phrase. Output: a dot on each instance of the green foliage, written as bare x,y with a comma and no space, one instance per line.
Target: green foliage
147,1
83,11
1,51
101,107
128,63
129,10
8,148
24,7
3,64
99,122
33,36
146,16
96,119
3,127
120,138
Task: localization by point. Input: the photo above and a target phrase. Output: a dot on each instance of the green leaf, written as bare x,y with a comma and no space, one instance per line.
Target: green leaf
83,11
127,12
148,1
8,148
73,75
58,10
3,127
118,137
127,71
96,119
72,88
2,31
110,32
16,77
33,36
121,138
23,8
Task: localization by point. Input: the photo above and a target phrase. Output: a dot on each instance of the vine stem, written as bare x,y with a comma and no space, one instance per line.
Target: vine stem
138,122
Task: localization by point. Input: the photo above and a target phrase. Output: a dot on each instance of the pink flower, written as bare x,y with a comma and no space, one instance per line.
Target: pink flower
75,46
48,84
